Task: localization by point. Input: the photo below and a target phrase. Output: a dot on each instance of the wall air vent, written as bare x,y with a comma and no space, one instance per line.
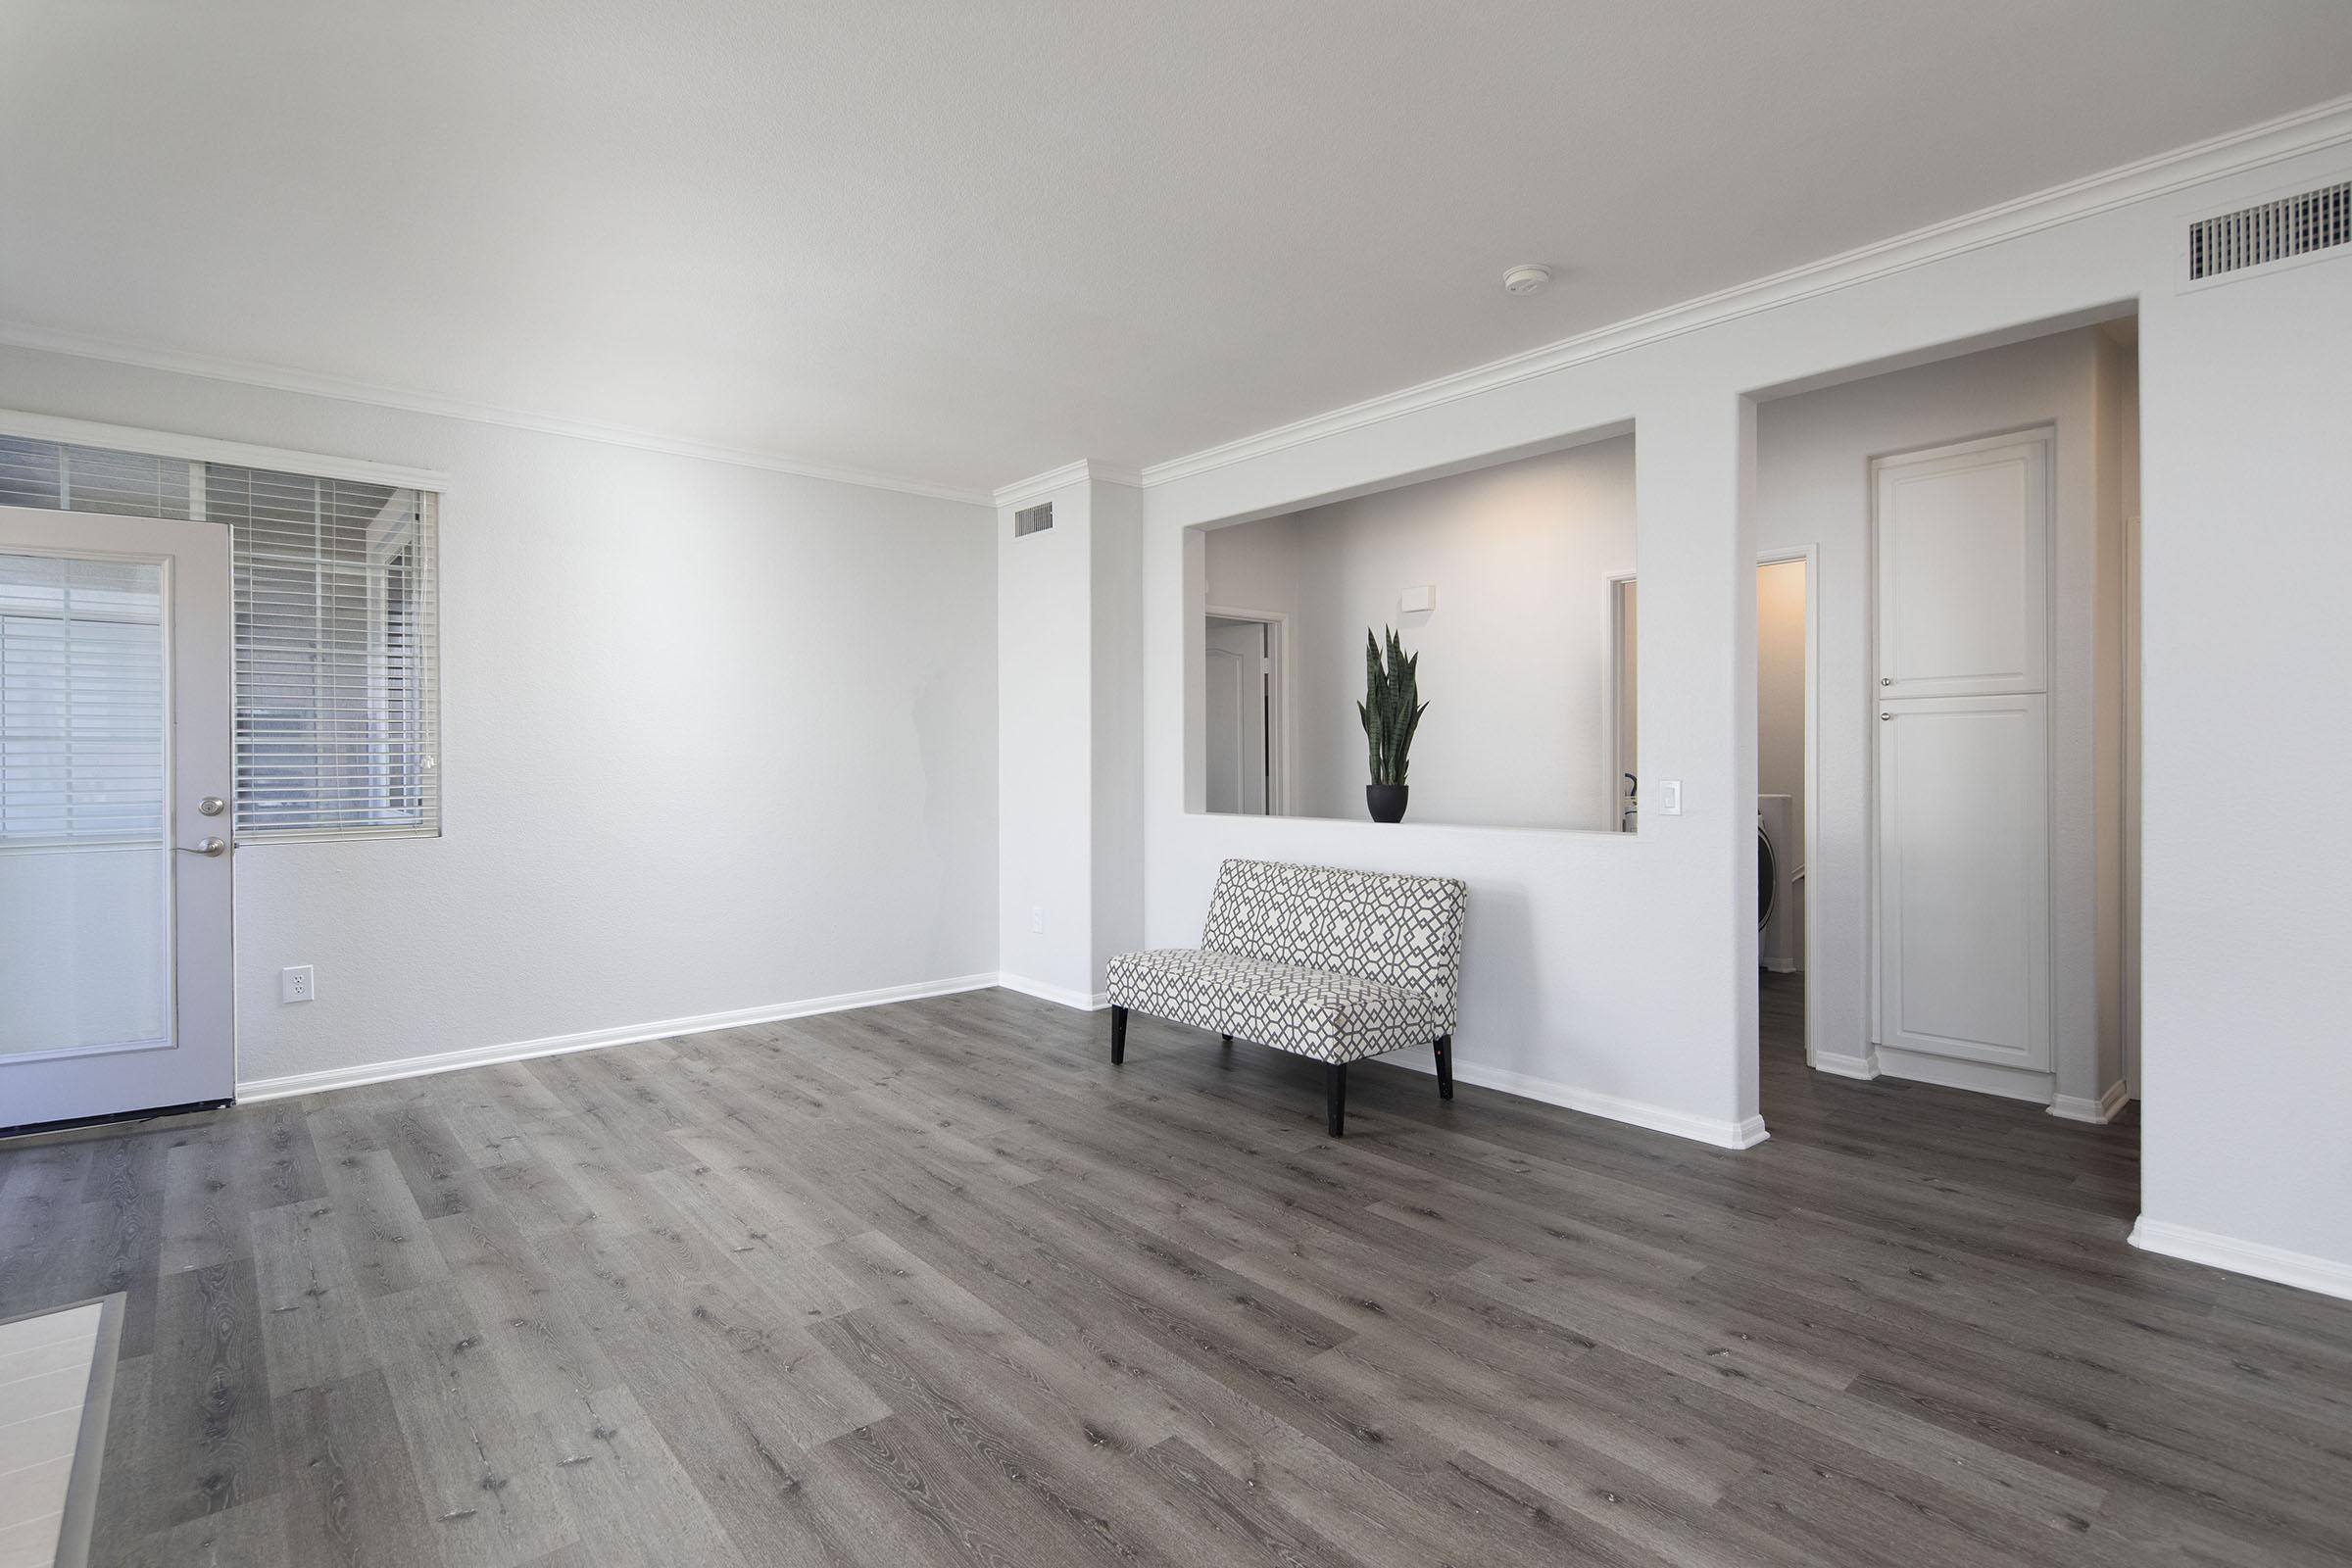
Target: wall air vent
1033,519
2270,233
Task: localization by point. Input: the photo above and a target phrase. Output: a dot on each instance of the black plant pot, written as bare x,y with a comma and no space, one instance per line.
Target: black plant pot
1387,801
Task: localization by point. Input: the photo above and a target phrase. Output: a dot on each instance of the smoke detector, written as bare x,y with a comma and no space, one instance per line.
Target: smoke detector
1526,279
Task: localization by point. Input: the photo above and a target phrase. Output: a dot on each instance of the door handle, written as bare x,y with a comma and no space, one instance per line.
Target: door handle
204,846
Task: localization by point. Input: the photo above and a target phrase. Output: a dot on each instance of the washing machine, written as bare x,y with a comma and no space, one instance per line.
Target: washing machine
1780,886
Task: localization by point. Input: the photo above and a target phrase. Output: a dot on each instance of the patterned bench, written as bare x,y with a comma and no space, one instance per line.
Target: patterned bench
1323,962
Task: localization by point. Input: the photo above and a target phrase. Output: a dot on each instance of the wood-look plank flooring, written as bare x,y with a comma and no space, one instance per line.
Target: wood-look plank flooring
934,1284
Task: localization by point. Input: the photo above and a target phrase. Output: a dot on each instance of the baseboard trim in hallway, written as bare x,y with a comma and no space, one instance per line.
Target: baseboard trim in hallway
377,1072
1063,995
2277,1264
2076,1108
1715,1132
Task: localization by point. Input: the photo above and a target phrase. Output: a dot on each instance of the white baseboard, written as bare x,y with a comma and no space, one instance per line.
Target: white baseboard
2074,1108
1977,1077
1708,1130
1863,1067
311,1083
2276,1263
1059,994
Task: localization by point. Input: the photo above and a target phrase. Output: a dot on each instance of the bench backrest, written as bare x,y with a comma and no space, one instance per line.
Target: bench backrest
1407,930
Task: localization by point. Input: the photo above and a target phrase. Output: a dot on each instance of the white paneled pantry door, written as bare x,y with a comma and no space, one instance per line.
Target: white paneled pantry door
115,980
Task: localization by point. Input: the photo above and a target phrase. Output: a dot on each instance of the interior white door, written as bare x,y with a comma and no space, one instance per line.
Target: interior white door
1238,724
116,987
1964,878
1964,566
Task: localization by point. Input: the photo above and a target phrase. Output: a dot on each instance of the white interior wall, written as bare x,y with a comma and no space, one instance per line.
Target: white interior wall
1813,488
1605,970
2244,554
1514,659
713,738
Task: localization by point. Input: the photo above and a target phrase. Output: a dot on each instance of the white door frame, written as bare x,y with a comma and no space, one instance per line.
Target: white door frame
196,1064
1614,585
1810,554
2128,809
1281,753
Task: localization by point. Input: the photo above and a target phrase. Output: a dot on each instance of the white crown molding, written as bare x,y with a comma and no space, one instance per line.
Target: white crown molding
2302,1270
204,449
2313,129
280,379
1038,486
311,1083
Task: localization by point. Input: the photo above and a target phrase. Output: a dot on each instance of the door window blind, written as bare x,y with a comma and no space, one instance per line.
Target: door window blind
82,702
337,630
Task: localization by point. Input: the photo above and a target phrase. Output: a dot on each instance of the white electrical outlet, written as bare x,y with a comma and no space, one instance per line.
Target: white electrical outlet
1037,919
1670,797
295,984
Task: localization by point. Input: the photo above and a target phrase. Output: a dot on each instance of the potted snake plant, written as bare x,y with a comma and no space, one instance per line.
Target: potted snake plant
1391,711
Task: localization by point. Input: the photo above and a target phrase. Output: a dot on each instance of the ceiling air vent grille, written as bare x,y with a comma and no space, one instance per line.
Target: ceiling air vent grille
2282,230
1033,519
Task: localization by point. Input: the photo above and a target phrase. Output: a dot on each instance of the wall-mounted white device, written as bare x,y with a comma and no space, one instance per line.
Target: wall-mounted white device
1415,601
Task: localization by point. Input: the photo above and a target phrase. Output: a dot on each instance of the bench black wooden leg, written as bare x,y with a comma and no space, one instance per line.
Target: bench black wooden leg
1118,1036
1224,1040
1335,1098
1444,1066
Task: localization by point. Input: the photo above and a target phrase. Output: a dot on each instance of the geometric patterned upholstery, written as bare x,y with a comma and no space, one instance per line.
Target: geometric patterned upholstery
1329,963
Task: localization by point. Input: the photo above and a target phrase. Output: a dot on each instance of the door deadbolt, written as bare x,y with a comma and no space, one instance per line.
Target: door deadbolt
211,805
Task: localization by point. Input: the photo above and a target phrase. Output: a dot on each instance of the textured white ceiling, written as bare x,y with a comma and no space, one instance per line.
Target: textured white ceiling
964,242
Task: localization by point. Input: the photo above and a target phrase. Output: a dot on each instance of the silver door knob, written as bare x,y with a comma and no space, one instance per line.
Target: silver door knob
1886,680
211,805
206,847
1883,717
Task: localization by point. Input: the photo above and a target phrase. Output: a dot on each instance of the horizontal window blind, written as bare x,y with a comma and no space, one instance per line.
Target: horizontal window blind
334,637
81,702
338,629
69,478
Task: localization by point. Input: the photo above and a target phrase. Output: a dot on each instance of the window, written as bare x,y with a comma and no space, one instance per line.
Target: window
337,630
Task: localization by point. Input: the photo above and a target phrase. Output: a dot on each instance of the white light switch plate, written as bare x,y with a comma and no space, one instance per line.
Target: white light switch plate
1670,797
295,984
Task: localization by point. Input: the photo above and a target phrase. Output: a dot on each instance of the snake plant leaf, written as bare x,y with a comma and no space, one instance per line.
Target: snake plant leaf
1392,709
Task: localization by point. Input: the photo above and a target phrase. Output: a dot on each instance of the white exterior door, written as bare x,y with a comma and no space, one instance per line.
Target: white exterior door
1964,878
115,981
1237,720
1964,550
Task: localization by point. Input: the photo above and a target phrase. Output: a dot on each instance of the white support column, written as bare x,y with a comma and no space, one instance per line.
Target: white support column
1695,476
1070,678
